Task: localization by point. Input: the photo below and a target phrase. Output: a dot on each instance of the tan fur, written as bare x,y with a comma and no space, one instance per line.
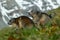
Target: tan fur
39,18
22,21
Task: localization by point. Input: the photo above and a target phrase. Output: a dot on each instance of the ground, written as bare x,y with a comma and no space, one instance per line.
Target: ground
49,33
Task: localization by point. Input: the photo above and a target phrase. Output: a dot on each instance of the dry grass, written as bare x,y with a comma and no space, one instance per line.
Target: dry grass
51,32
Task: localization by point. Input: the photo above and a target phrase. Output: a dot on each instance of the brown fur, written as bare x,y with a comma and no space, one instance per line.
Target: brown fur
40,18
22,21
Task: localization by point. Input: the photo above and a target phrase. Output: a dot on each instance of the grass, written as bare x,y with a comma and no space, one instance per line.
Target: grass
49,33
31,34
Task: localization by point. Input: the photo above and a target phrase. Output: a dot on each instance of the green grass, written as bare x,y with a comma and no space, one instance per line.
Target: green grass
49,33
31,34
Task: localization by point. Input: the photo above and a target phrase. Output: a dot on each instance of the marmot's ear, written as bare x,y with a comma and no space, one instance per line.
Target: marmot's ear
38,12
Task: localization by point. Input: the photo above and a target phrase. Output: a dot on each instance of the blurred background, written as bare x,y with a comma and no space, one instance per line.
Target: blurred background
15,8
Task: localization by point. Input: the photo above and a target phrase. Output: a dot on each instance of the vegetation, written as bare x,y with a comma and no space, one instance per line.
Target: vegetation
51,32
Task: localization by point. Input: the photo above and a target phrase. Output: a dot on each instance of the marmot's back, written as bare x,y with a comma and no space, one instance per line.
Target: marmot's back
22,21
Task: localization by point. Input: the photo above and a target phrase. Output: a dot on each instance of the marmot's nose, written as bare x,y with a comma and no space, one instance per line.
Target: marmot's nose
9,23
